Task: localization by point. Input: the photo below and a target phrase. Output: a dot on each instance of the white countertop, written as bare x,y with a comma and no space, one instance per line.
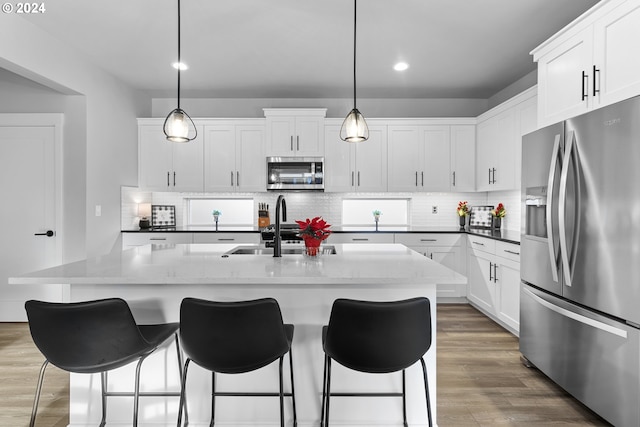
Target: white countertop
355,264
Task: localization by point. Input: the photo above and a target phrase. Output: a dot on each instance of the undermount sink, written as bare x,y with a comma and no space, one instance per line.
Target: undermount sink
261,250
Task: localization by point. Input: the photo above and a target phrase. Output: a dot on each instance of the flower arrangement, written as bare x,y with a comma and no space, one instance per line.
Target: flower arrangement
216,213
499,211
462,209
313,231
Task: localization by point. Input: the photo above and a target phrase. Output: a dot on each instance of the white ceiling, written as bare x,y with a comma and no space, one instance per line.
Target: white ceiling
304,48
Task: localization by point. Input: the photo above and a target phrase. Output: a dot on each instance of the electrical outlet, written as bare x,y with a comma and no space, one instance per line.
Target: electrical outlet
98,210
434,209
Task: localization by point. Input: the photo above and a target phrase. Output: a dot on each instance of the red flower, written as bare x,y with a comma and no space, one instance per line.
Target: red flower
314,229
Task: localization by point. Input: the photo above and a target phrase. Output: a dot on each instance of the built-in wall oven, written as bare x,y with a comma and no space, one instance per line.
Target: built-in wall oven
295,173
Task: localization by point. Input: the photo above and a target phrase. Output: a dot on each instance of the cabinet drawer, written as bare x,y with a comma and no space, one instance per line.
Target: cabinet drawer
360,238
482,244
226,238
508,251
140,239
428,239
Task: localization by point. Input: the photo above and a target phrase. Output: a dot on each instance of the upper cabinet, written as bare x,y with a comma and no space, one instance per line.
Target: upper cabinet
355,167
234,155
431,157
499,142
165,165
590,63
295,131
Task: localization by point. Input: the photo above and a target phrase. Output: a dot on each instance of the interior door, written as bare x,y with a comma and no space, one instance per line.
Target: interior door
28,190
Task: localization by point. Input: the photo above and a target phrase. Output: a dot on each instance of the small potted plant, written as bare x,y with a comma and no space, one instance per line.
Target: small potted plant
463,212
498,213
216,216
376,217
313,232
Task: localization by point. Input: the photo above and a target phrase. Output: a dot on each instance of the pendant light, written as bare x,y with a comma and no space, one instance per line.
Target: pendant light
176,125
354,128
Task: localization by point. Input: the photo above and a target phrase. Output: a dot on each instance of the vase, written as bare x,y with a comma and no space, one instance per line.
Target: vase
312,247
463,220
497,222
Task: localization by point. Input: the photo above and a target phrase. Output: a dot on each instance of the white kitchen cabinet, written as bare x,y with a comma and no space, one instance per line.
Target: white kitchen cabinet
165,165
590,63
499,142
356,167
227,237
131,240
419,158
295,132
463,156
493,280
234,156
445,249
360,238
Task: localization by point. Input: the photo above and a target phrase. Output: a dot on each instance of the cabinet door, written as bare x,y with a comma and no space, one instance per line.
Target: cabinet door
360,238
281,135
155,159
449,257
435,143
504,177
339,162
487,134
227,237
404,158
616,47
508,292
480,285
251,164
371,161
309,136
220,157
526,122
463,158
560,79
188,164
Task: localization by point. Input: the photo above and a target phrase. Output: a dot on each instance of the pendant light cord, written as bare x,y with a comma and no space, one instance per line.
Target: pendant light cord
179,61
355,10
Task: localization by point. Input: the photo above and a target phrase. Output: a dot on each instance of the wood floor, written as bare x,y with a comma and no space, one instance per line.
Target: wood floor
481,381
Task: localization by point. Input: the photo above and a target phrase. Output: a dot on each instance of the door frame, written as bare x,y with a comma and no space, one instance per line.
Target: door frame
55,120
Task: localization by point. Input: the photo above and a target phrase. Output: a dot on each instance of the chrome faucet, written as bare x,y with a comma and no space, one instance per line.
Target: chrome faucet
277,239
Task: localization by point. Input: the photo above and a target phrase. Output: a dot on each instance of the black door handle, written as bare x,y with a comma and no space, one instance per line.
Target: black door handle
49,233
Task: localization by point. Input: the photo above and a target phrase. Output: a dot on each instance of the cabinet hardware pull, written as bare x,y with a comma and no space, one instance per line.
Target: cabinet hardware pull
495,273
158,238
478,243
237,178
454,178
511,252
494,176
595,70
230,239
422,173
490,267
232,178
358,178
298,143
168,179
352,183
431,255
355,239
174,179
291,142
428,240
416,178
584,76
49,233
489,175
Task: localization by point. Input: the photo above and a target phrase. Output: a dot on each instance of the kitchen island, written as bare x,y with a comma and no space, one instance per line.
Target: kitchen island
155,278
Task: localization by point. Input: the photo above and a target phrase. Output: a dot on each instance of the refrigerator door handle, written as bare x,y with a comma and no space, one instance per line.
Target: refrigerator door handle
568,257
549,211
575,316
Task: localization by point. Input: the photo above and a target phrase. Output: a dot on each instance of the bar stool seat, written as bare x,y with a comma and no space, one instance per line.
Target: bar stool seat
234,338
95,337
376,337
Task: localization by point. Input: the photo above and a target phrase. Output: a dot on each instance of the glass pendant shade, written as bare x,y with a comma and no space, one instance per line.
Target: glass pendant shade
176,126
354,128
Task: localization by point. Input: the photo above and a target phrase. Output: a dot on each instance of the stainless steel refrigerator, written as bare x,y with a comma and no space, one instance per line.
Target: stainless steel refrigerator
580,258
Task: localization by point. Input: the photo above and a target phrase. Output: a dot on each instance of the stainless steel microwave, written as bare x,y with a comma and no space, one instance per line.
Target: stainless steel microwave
295,173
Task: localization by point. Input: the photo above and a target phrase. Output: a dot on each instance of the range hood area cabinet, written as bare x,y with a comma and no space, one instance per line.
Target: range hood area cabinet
358,167
165,165
295,131
234,156
434,157
591,63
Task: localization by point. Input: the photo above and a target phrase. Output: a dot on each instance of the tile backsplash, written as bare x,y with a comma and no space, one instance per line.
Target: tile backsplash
329,205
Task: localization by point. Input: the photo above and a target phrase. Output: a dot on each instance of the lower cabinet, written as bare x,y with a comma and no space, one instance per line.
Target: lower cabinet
360,238
493,280
445,249
227,237
131,240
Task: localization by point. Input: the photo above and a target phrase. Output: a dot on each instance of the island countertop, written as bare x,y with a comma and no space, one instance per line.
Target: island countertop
176,264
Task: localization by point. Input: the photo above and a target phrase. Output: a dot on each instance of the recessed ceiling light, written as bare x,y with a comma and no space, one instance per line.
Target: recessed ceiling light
401,66
180,66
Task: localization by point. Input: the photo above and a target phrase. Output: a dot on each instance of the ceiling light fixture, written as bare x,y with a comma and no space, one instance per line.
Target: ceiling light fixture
401,66
354,128
176,125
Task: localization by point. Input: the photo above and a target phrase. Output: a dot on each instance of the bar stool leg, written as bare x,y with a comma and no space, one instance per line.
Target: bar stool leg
183,403
36,399
293,393
213,399
426,390
404,399
104,384
326,415
180,361
324,391
281,392
136,393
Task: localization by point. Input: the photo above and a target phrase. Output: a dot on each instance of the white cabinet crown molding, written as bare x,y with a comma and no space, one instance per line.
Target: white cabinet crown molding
510,103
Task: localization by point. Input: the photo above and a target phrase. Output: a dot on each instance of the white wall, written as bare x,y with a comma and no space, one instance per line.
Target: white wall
100,153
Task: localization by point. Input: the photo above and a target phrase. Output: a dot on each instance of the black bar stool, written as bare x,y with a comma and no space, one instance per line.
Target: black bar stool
234,338
95,337
376,337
